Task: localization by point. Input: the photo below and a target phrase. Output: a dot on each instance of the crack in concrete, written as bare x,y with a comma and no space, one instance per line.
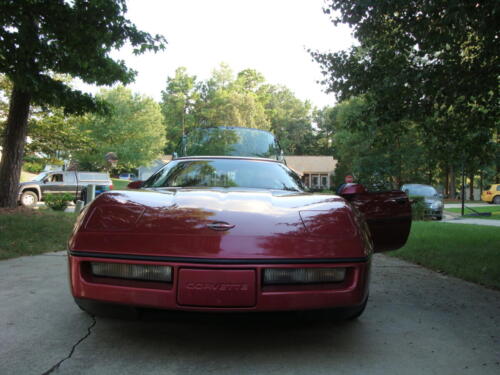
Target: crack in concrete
73,348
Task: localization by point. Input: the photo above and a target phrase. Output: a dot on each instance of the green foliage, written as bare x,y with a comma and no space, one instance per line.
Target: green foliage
58,202
133,129
75,38
245,100
41,38
417,207
380,155
432,66
55,135
33,166
225,100
178,102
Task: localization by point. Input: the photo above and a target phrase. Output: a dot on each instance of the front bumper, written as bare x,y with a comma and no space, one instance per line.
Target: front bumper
351,292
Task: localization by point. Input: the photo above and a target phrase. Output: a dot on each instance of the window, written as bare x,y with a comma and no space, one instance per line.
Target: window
305,180
69,178
228,141
324,180
315,181
226,174
56,178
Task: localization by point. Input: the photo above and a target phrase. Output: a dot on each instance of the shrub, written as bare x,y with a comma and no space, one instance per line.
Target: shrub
417,207
33,167
58,202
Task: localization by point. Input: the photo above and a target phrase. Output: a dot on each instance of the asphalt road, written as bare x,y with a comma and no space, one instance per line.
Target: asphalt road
417,322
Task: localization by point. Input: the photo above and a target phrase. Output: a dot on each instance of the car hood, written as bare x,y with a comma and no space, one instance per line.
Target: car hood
220,222
29,183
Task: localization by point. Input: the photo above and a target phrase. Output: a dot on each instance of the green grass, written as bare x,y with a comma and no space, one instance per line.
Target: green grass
495,210
31,232
120,184
470,252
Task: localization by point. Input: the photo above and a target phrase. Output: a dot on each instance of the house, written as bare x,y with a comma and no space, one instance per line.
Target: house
316,171
145,171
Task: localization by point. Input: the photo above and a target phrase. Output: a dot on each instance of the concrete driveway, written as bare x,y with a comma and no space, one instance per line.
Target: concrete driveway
417,322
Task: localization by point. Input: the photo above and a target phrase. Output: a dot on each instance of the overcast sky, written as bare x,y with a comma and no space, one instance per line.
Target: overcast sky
270,36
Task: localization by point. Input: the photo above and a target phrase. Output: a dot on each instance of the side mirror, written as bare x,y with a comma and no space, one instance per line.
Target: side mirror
135,184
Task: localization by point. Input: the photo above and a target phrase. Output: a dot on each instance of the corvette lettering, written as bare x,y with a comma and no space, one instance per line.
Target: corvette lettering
217,287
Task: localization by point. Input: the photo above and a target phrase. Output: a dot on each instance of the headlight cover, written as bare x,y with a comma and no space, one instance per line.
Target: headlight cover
275,276
144,272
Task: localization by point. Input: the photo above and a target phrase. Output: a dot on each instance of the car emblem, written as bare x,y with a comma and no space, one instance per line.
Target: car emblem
220,226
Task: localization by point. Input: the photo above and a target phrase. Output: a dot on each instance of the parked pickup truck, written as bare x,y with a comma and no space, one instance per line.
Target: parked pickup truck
60,182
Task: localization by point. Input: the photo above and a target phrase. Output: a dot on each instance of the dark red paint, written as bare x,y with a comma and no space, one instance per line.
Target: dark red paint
218,240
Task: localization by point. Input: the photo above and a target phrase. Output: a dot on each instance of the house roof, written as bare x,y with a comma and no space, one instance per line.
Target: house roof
311,164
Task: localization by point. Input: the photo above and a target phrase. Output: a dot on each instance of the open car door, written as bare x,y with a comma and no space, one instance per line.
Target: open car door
388,215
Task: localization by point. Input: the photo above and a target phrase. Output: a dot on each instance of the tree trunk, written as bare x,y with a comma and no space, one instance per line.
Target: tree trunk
471,186
447,182
13,147
480,182
452,181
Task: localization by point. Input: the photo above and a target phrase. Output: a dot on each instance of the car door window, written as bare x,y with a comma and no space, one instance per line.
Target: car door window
56,178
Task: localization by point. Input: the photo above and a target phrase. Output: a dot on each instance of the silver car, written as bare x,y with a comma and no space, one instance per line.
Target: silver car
432,198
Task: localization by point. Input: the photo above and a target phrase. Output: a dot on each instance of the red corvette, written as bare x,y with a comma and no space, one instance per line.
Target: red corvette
227,233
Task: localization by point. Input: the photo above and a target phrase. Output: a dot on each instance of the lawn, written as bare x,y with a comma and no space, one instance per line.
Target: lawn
119,184
31,232
495,212
470,252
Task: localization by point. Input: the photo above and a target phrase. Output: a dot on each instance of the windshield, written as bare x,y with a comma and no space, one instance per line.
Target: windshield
229,141
421,190
225,173
40,176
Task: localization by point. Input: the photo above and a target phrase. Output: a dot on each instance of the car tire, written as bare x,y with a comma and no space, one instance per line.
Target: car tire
496,200
439,218
29,199
107,310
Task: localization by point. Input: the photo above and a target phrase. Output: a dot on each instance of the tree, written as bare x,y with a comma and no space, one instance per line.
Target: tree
431,63
290,119
55,136
232,102
370,149
244,100
39,37
178,104
133,130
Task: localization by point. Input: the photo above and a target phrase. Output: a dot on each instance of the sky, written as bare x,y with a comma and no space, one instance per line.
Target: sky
270,36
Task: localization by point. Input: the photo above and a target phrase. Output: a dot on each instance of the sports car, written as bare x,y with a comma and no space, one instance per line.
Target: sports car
232,233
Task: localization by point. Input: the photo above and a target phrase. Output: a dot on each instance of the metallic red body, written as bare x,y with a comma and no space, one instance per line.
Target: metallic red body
218,242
